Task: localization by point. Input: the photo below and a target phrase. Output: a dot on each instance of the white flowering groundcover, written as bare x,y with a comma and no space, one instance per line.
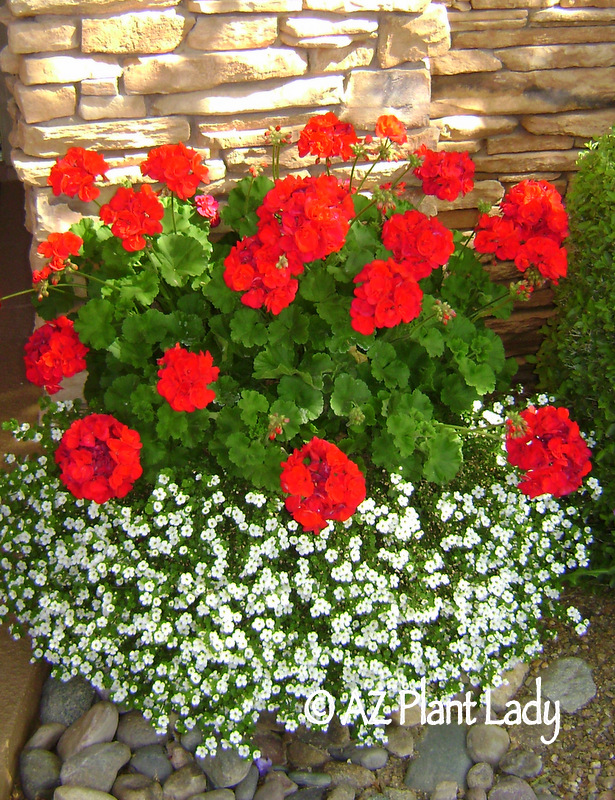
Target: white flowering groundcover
199,598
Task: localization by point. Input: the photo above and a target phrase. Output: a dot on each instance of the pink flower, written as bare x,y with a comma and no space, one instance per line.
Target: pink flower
207,206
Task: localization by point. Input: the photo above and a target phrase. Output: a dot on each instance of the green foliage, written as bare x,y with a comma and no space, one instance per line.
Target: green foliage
576,361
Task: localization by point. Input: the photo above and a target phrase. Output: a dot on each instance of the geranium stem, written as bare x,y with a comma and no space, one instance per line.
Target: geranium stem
173,213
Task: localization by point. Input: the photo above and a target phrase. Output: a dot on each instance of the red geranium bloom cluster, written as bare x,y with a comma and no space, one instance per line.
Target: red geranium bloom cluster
325,136
178,166
300,220
386,297
263,272
530,231
445,175
99,458
58,247
76,172
54,352
133,215
551,450
421,242
322,483
185,378
389,127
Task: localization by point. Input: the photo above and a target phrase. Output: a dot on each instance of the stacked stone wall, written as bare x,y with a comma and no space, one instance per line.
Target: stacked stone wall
520,84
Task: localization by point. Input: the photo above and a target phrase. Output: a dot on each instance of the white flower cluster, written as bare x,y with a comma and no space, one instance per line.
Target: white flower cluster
211,602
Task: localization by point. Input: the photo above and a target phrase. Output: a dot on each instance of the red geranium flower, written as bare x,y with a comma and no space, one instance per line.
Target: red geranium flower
99,458
445,175
387,297
497,235
76,172
178,166
389,127
208,207
536,208
322,483
420,242
325,136
54,352
57,247
133,215
185,378
550,449
545,255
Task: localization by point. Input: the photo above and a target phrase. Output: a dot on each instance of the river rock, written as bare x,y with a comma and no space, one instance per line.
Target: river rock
570,681
272,790
96,766
354,775
314,779
476,794
512,788
178,755
371,758
215,794
480,776
135,731
305,756
246,788
136,787
184,783
441,756
65,701
445,790
192,739
153,762
80,793
39,771
522,763
97,725
46,737
511,683
226,769
400,741
487,743
344,792
310,793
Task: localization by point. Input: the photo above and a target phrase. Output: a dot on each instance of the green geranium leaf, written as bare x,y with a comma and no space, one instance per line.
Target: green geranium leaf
456,394
316,285
290,325
142,287
309,400
348,392
480,376
252,404
274,361
244,199
178,258
94,323
432,340
248,328
171,424
218,293
444,457
117,397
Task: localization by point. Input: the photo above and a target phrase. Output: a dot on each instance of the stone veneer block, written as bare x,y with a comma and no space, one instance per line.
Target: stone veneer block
66,69
30,8
352,6
229,6
239,32
99,87
40,104
310,25
120,107
525,59
459,61
480,20
533,36
325,42
45,34
261,96
140,32
253,122
403,92
573,16
552,161
482,5
543,91
578,123
54,140
526,142
9,62
184,73
463,127
407,38
246,157
342,59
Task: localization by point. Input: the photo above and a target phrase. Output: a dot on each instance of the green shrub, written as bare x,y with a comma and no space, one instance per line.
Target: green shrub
577,360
